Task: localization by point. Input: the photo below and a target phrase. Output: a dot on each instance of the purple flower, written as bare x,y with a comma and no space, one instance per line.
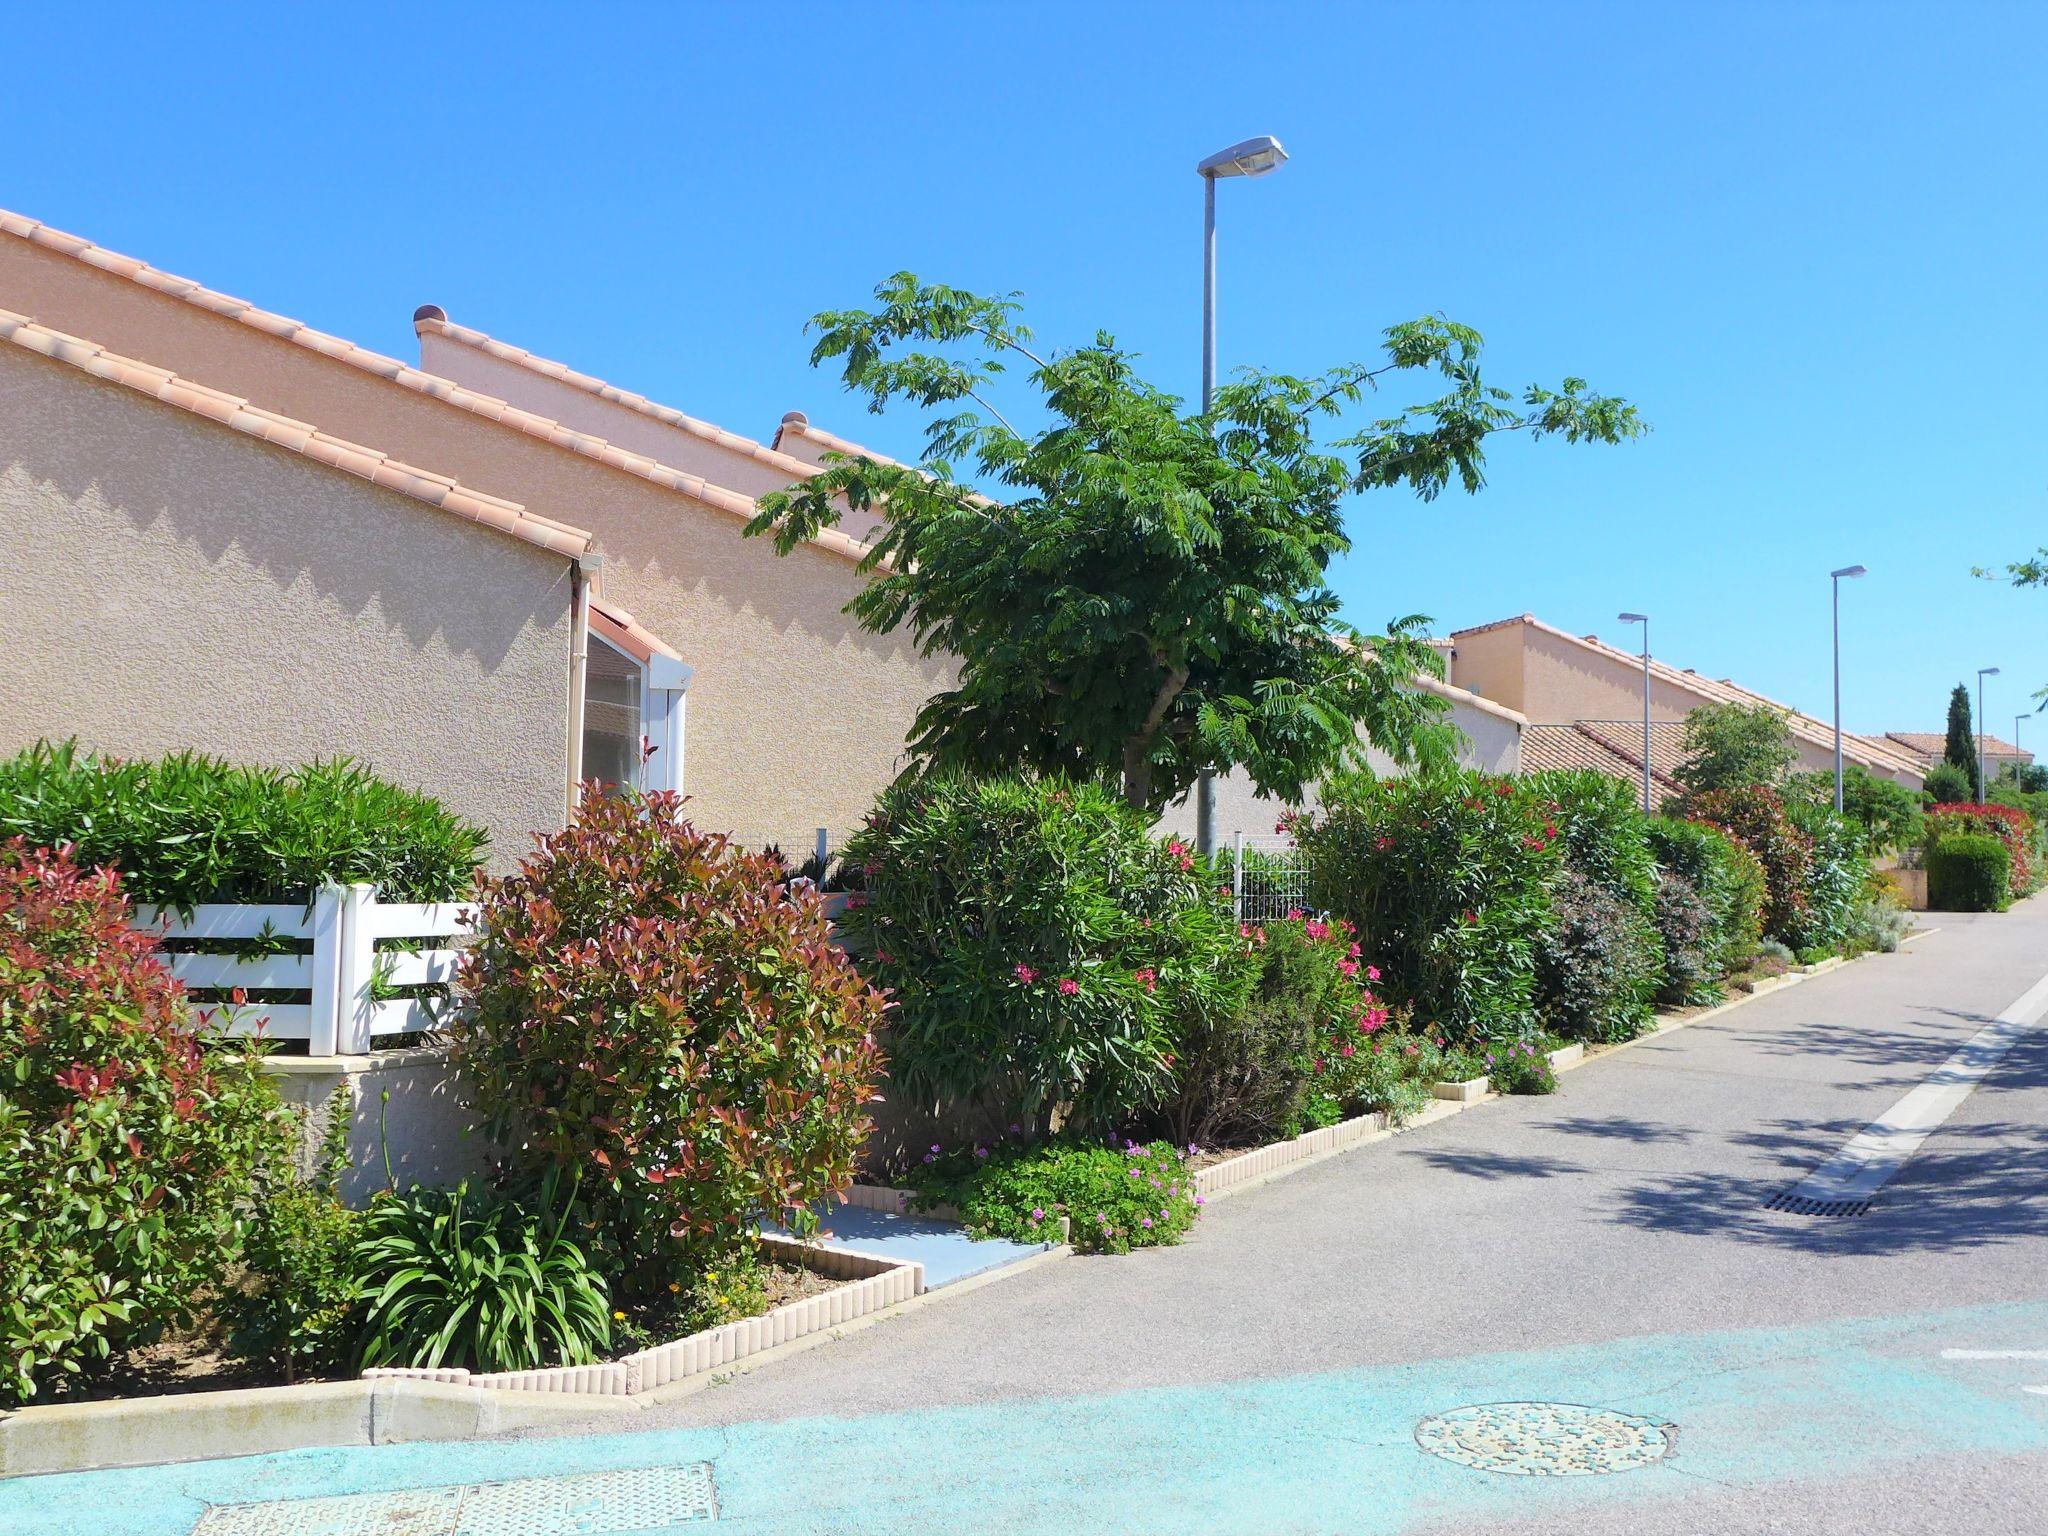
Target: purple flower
981,1151
1037,1213
1147,1222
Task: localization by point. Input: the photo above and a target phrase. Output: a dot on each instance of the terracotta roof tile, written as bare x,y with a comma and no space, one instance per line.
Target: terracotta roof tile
1933,745
240,310
299,437
1591,744
432,319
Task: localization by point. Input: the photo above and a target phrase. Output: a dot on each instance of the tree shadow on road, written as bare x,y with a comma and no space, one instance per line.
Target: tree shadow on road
1499,1165
1618,1128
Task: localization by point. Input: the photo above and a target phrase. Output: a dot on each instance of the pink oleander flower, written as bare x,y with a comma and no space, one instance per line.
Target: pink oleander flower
1348,1051
1069,986
1025,974
1147,978
1372,973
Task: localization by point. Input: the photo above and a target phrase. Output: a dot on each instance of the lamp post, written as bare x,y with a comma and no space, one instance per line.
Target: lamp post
1835,583
1253,157
1982,673
1644,620
2018,763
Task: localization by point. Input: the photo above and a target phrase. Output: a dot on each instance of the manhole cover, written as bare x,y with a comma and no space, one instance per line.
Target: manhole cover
585,1504
1544,1439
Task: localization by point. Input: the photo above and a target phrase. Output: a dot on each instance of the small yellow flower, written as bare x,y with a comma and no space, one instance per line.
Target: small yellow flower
618,1317
673,1287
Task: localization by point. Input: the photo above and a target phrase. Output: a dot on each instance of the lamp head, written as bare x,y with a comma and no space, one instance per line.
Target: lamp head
1254,157
1987,671
1849,570
1634,618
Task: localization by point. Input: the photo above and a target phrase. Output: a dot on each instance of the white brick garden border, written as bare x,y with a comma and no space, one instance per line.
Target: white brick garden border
872,1283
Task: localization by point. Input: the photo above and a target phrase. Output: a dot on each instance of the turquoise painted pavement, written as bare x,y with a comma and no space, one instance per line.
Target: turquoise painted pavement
1319,1453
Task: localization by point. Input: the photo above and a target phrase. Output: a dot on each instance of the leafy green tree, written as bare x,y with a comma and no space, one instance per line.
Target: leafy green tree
1150,596
1946,784
1961,747
1732,746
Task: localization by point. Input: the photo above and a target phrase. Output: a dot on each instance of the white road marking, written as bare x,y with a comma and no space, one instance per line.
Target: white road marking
2043,1391
1880,1149
1994,1354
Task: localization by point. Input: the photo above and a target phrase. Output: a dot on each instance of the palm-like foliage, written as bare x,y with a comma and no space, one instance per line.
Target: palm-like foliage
462,1277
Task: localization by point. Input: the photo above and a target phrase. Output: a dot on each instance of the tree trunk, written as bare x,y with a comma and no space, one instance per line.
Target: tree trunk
1138,745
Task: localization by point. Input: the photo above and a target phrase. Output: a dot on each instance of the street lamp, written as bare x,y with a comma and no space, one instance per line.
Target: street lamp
1982,673
1644,620
1253,157
1835,583
2017,763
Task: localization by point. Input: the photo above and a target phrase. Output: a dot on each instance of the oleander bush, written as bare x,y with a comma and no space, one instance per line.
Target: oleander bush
1446,880
1281,1064
1047,957
1888,813
1969,872
1598,964
1115,1197
663,1017
129,1150
187,829
1603,833
1837,871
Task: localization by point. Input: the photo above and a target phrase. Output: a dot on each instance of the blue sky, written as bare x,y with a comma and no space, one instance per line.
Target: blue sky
1807,239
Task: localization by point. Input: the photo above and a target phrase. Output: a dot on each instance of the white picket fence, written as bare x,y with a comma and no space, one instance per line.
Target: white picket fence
341,975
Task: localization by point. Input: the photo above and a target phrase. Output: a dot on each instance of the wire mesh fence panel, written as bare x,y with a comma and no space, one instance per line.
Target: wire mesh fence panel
1269,878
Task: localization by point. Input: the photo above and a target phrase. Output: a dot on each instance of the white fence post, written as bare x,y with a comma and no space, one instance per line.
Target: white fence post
824,849
358,965
324,1024
1237,873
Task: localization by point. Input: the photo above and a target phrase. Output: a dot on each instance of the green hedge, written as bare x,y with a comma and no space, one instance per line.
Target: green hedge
1969,872
1728,877
1447,880
186,829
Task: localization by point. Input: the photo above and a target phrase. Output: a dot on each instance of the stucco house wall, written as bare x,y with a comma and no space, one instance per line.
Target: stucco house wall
168,582
796,716
1551,680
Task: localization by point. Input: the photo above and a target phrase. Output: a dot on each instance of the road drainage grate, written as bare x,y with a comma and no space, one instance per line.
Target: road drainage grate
1545,1439
587,1504
1792,1203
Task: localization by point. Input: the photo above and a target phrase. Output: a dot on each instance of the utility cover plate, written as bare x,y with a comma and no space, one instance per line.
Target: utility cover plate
587,1504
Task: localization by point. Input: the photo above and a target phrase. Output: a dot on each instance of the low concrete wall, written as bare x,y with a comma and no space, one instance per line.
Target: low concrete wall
428,1128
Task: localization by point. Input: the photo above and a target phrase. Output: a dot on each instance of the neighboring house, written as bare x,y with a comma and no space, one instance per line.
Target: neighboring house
1931,747
180,568
795,716
1494,742
1581,696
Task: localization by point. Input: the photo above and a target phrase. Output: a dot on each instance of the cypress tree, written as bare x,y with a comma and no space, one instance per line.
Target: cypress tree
1962,744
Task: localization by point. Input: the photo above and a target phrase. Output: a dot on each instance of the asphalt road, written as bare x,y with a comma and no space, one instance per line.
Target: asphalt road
1607,1247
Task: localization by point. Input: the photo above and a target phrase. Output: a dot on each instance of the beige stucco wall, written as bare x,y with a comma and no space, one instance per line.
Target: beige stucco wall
631,429
1493,744
166,582
795,716
1552,680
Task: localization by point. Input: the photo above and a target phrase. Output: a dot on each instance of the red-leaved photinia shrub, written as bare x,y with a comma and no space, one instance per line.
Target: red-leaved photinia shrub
663,1014
1755,817
2008,823
128,1150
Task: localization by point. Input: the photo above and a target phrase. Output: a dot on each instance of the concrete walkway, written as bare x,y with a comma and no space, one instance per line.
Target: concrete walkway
1609,1247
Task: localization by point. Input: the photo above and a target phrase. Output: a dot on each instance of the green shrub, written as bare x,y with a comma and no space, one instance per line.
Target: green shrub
1688,942
1139,1197
1837,870
1946,784
187,829
1521,1067
1755,817
1446,880
1969,872
1888,813
300,1307
1278,1066
658,1014
1044,952
2010,825
1877,923
1735,747
1603,830
128,1149
1728,877
1597,964
465,1277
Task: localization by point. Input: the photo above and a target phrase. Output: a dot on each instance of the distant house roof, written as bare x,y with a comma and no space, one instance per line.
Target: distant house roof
1872,751
1613,747
298,437
393,371
1932,746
